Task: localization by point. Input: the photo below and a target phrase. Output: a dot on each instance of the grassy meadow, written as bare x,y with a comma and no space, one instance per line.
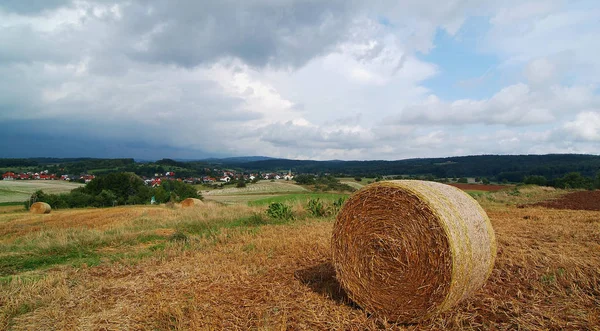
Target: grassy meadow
231,267
21,190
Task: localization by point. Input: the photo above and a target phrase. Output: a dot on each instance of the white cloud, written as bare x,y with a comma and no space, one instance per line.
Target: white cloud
586,126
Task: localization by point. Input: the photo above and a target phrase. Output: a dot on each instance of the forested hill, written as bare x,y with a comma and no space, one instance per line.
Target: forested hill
511,167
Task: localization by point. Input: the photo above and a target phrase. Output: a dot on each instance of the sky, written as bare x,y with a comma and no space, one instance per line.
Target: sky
299,79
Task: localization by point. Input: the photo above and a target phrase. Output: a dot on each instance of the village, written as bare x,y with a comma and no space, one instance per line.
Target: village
45,175
227,177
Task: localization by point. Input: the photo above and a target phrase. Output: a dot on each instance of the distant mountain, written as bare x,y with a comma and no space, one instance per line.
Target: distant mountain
237,159
510,167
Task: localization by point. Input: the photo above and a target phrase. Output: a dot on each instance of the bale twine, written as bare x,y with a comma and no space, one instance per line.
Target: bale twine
406,250
40,208
191,202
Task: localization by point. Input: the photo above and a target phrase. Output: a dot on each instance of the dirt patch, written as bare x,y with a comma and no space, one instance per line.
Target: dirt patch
480,187
584,200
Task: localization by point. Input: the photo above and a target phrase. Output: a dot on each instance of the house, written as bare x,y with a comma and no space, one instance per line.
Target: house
208,180
87,178
251,177
155,182
225,179
9,176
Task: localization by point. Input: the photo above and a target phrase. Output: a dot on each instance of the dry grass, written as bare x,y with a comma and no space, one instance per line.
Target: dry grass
547,274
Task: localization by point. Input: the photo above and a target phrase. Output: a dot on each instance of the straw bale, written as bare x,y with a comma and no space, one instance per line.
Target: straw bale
191,202
407,250
40,208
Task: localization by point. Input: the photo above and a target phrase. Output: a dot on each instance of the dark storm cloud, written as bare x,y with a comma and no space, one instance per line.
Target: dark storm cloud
35,138
280,33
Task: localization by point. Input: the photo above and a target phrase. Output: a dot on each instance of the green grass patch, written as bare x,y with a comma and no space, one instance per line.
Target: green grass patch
12,203
145,238
14,264
302,198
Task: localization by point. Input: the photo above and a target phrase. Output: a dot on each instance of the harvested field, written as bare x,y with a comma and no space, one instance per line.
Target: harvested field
480,187
21,190
258,188
222,268
352,184
584,200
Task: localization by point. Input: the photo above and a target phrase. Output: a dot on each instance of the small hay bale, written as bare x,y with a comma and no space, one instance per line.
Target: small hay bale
40,208
191,202
407,250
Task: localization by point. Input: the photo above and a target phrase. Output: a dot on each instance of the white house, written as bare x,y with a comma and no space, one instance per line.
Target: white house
225,179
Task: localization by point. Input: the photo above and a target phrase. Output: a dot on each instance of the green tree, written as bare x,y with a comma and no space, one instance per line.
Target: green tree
304,179
463,180
106,198
176,190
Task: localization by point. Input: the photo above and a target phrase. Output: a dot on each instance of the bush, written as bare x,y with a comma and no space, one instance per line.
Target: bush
536,180
463,180
280,211
337,205
241,183
358,179
316,208
178,236
304,179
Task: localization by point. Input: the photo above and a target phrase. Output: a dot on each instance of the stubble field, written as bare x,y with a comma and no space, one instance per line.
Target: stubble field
230,267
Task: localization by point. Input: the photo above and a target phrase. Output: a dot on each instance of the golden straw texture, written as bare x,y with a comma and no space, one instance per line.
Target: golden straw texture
191,202
40,208
407,250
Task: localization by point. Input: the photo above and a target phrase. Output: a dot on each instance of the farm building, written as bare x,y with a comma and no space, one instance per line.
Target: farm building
9,176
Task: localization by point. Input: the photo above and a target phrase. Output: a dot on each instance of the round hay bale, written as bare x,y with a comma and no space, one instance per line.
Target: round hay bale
40,208
191,202
407,250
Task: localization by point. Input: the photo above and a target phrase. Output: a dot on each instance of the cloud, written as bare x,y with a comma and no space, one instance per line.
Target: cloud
537,32
31,6
586,126
517,104
300,79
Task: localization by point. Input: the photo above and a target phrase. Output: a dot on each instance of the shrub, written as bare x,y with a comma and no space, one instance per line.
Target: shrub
280,211
304,179
535,180
316,208
337,205
178,236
